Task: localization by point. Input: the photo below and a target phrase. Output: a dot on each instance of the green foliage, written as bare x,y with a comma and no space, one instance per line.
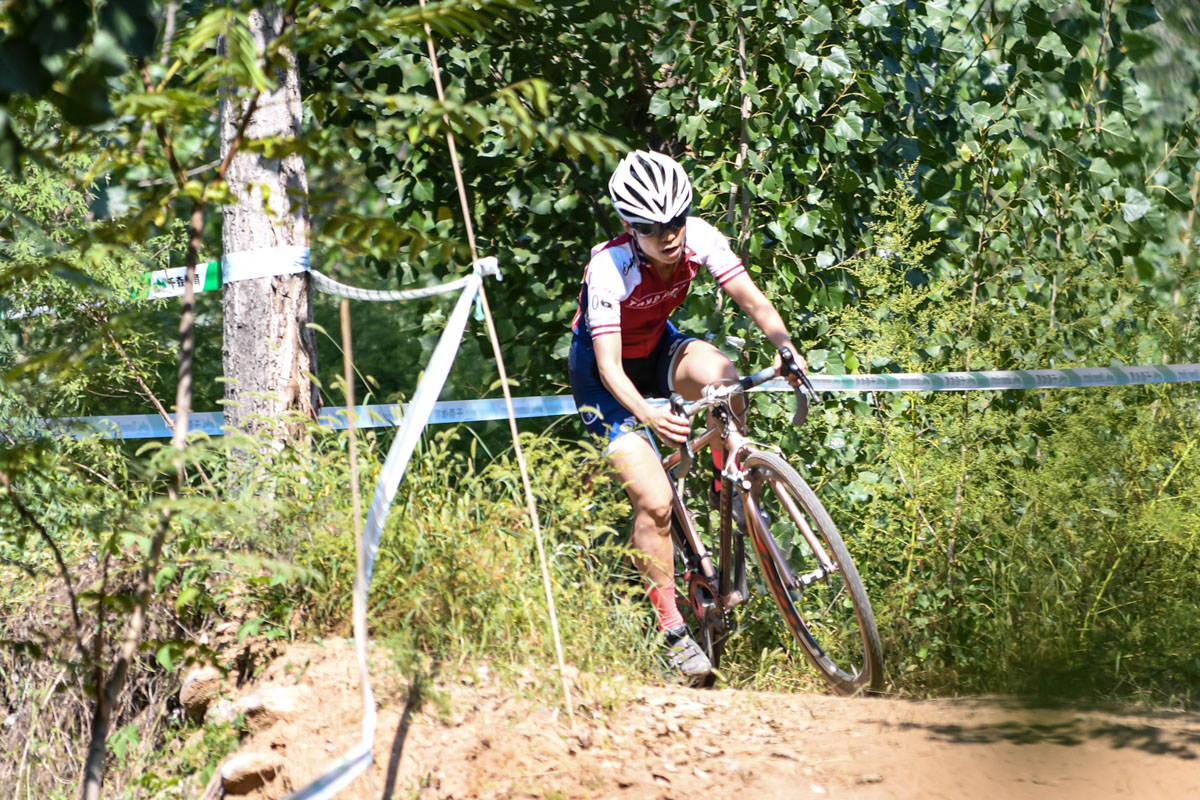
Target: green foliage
63,52
1021,123
919,186
1012,541
202,755
457,576
1065,569
73,333
457,579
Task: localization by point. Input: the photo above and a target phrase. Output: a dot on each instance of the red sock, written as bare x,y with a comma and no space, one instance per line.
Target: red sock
663,600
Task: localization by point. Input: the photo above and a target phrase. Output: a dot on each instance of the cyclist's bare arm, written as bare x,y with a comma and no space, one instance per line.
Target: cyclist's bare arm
667,425
756,305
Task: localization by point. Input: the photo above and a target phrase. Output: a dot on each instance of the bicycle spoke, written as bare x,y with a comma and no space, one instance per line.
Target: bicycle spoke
801,519
832,602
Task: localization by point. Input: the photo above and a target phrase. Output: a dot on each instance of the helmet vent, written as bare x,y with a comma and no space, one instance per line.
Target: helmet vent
649,187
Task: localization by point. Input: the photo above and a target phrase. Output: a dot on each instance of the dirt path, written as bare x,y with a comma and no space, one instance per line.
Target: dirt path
669,742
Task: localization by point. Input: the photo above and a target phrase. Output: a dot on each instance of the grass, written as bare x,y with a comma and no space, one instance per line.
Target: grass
1075,579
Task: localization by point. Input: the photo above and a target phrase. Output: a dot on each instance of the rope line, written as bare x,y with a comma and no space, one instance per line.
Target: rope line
482,266
531,503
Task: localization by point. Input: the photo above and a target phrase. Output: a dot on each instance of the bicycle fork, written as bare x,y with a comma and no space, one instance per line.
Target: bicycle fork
827,566
733,475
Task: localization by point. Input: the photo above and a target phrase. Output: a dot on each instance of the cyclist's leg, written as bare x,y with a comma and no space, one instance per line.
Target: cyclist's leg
697,364
637,465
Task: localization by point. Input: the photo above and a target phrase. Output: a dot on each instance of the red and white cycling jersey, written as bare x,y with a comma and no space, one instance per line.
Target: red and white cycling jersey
622,292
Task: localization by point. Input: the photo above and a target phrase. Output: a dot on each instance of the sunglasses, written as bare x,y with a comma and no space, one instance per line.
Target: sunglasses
655,229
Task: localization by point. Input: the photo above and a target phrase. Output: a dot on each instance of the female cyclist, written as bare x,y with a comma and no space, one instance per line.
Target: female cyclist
624,350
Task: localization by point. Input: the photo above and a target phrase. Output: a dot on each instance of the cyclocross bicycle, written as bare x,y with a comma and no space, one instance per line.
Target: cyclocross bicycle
800,555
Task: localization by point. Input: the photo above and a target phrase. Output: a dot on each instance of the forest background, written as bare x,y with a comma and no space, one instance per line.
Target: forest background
918,186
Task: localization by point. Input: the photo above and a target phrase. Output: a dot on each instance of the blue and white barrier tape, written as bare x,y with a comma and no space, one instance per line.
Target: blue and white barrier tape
148,426
152,426
1002,379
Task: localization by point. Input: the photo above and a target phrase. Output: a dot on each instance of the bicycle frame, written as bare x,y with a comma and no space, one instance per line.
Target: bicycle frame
678,463
716,581
731,589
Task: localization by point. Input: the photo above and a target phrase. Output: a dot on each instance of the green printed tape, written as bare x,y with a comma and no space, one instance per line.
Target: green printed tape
246,265
170,282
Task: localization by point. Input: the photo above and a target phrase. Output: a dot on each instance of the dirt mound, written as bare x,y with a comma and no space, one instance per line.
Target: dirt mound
671,742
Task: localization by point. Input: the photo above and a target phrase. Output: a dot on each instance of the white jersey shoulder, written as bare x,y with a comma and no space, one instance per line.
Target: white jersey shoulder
711,248
613,271
611,276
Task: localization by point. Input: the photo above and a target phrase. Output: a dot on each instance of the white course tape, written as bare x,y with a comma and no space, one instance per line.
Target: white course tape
267,262
419,411
359,757
338,776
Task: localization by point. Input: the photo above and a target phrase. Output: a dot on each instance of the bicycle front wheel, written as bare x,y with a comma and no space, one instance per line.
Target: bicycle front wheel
826,607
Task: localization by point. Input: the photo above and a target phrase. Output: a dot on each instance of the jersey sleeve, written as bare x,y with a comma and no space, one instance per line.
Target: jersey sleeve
605,290
713,251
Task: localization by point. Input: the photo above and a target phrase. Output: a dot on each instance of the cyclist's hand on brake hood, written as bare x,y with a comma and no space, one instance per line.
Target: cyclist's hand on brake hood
793,378
667,425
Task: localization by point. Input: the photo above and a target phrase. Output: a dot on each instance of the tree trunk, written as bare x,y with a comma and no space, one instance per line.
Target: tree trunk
268,348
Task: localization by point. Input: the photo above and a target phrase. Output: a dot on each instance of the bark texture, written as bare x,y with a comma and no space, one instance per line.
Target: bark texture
268,349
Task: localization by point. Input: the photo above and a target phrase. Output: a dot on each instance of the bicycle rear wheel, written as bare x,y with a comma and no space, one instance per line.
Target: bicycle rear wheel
827,609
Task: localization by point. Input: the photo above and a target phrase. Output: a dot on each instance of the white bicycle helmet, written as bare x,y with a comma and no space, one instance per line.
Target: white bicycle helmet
649,187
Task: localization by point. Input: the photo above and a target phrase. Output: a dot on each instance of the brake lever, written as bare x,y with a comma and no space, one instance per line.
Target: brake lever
801,412
685,449
790,367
